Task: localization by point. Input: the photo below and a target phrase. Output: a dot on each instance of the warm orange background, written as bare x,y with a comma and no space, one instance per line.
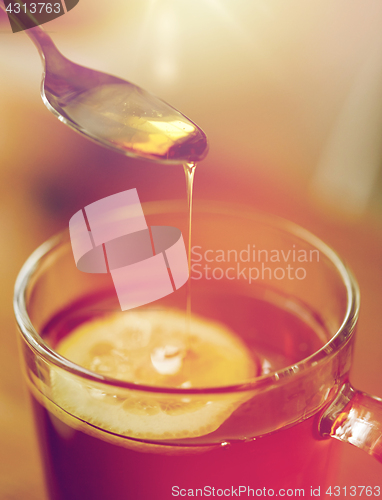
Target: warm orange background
289,93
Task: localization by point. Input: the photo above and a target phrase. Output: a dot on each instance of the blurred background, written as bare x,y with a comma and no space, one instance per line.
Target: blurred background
290,96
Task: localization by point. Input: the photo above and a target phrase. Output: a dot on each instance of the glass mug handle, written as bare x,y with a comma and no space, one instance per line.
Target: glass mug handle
355,417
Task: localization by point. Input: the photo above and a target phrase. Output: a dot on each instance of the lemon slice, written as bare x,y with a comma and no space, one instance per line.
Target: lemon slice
158,349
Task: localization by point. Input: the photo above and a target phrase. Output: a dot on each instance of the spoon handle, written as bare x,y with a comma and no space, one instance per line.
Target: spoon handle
39,37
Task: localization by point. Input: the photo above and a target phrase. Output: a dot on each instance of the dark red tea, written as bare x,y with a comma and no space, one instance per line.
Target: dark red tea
87,460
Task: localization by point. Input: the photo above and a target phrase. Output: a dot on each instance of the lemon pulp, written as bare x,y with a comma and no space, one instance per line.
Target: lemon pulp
153,348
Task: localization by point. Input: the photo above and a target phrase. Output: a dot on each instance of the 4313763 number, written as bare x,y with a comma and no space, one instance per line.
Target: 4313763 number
354,491
34,8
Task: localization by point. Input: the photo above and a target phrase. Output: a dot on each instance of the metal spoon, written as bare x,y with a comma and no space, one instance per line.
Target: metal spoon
112,111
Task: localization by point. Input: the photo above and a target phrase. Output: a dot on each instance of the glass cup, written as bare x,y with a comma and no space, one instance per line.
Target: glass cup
293,304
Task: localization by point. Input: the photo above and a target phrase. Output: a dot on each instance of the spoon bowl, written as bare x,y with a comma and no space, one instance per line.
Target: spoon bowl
114,112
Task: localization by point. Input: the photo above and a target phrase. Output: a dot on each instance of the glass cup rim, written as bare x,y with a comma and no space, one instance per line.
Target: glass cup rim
35,341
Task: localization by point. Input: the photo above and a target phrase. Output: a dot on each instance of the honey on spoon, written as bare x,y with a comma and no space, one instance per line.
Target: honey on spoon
114,112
